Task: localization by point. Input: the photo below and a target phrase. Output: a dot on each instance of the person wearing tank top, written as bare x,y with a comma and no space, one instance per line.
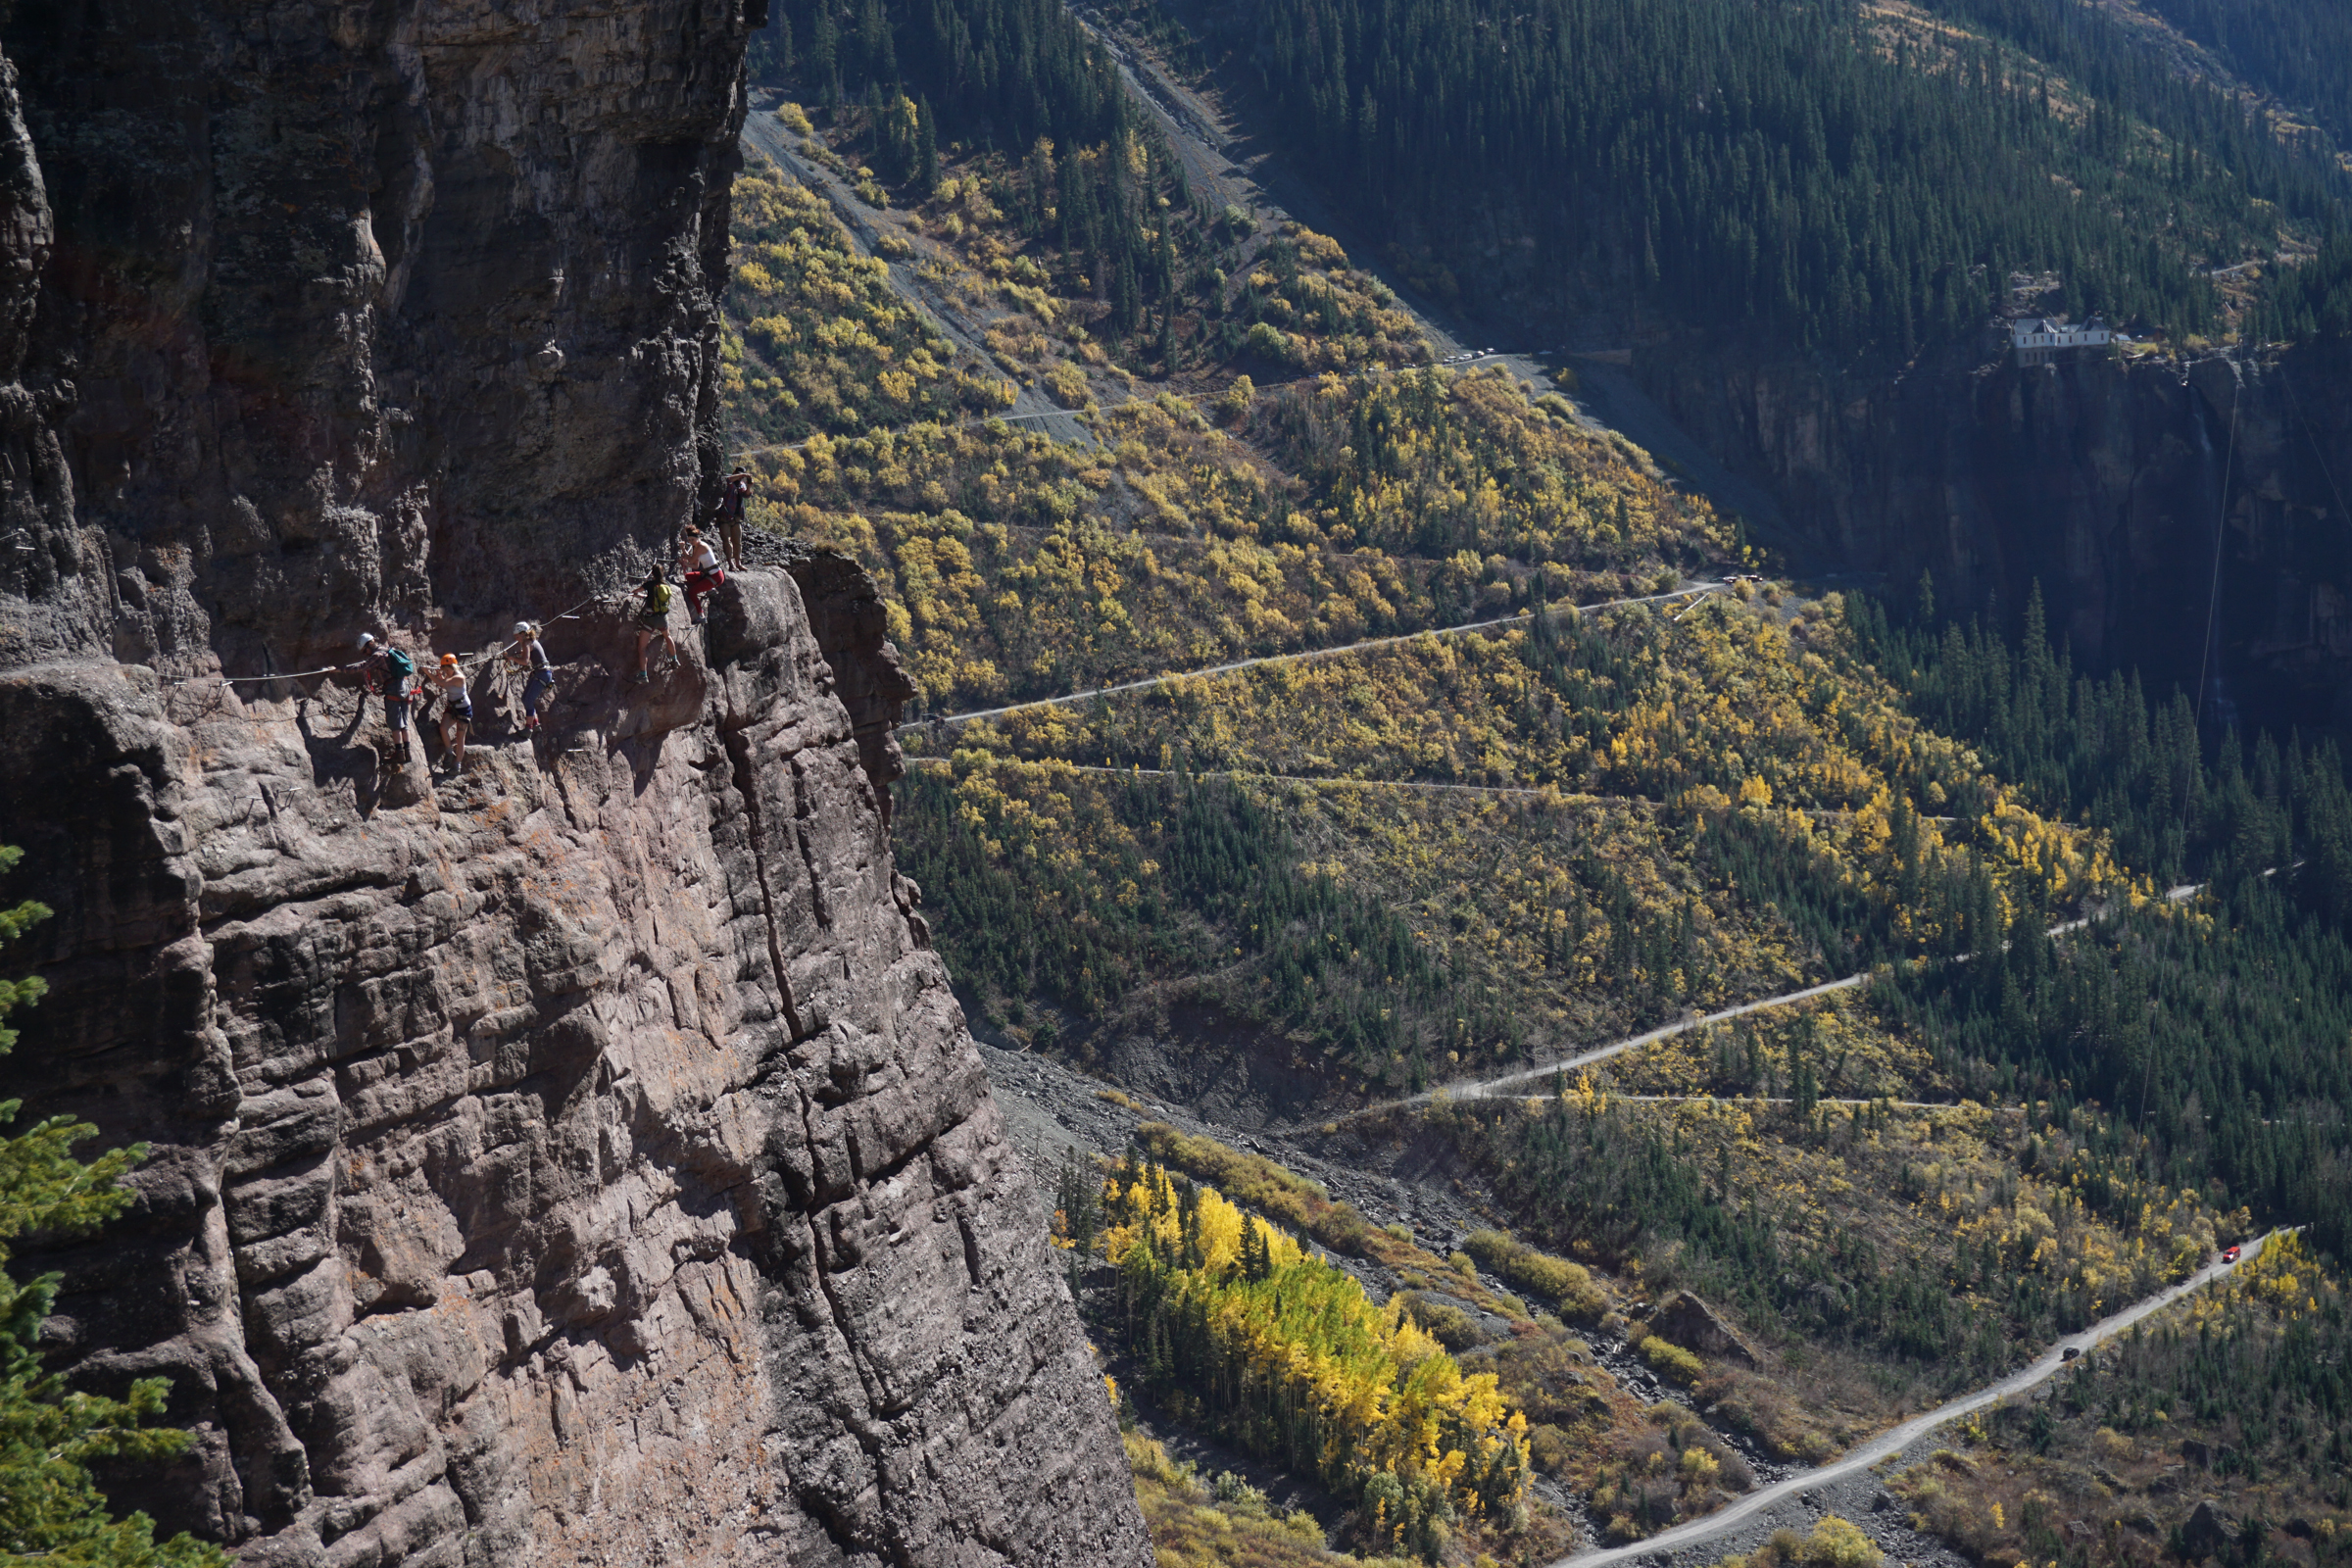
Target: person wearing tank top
699,563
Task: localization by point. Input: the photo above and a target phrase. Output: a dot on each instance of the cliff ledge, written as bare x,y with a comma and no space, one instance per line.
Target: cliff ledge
576,1160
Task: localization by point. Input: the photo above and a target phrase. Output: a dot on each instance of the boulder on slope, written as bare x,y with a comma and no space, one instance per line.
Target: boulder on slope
1684,1319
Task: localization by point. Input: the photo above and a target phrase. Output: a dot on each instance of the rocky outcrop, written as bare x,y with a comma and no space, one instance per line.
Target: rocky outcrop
1689,1322
2104,482
2206,1532
580,1158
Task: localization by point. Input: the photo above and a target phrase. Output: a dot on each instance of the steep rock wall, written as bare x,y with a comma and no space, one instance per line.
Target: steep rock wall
2110,484
581,1158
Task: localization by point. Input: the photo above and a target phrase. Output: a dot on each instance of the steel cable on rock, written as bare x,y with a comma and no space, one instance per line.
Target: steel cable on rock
465,661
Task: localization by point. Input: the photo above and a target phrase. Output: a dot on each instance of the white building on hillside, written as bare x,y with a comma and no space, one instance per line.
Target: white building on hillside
2038,338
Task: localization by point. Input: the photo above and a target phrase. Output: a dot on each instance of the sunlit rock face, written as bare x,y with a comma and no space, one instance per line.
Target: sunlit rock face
581,1158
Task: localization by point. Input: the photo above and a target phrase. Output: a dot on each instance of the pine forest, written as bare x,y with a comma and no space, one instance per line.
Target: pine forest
1306,721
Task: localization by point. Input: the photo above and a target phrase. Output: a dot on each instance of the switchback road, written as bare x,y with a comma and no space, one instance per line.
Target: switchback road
1301,655
1485,1088
1896,1439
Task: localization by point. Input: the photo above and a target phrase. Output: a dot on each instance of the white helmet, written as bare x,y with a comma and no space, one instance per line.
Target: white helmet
367,639
522,629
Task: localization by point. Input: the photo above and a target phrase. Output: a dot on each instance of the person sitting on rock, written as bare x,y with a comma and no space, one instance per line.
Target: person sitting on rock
387,671
733,491
652,620
700,562
527,652
456,709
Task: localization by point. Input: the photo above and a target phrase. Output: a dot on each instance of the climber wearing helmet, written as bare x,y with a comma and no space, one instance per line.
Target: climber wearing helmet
652,620
527,652
457,711
700,562
388,669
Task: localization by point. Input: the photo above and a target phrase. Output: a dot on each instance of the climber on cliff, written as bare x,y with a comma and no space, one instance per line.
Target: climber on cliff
652,620
387,671
733,491
456,709
703,572
527,652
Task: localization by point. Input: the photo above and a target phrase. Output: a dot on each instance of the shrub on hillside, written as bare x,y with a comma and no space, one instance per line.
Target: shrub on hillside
1671,1360
1260,1184
1568,1284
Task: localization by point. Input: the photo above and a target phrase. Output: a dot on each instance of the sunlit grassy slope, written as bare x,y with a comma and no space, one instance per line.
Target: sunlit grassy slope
1387,870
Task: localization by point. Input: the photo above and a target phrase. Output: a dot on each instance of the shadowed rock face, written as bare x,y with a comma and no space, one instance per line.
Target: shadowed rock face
2109,485
581,1160
1692,1324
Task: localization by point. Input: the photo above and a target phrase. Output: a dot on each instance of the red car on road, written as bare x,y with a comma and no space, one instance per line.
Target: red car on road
2230,1257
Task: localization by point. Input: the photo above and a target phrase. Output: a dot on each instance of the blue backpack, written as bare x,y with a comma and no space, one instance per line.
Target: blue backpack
399,666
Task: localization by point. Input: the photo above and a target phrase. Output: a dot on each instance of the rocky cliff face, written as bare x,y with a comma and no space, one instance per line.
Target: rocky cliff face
2106,483
579,1160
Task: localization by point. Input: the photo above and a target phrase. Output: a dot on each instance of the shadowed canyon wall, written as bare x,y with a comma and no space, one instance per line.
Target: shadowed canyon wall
580,1158
2110,484
2103,480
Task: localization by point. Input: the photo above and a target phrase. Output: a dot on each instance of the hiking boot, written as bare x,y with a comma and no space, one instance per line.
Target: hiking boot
642,677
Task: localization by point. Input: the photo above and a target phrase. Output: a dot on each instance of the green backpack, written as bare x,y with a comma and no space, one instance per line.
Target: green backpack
657,599
399,666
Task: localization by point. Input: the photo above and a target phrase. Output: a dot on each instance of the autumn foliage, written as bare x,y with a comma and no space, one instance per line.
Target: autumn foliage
1234,1325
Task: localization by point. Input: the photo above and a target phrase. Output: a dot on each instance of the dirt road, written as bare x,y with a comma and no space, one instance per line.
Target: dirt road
1150,681
766,135
1895,1439
1485,1088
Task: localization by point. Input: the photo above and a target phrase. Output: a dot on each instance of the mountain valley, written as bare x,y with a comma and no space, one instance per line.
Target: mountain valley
1437,820
1496,848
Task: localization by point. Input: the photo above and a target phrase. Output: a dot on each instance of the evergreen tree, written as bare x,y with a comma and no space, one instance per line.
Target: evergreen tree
1012,75
927,157
2220,1044
50,1508
1775,165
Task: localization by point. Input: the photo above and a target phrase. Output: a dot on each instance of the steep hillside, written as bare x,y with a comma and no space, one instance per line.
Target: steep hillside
1317,745
1860,180
1824,329
1548,1033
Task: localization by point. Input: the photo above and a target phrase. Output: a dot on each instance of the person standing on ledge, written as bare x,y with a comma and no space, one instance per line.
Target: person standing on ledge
700,564
456,709
388,669
734,491
527,652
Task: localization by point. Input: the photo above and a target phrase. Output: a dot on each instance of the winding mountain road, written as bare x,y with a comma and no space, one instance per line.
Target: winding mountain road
765,136
1485,1088
1896,1439
1297,657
